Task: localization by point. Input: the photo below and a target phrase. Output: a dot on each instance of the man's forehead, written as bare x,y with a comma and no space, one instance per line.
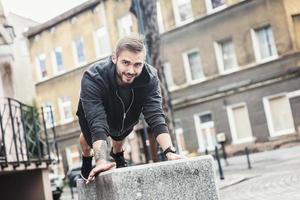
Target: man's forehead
132,56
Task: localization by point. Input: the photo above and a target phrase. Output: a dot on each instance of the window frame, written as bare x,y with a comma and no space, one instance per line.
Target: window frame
45,106
54,60
62,105
187,67
120,25
268,113
177,18
220,57
38,67
198,126
167,67
232,124
75,52
210,8
96,36
256,47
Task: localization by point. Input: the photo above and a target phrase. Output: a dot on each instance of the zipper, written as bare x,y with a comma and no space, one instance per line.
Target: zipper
123,105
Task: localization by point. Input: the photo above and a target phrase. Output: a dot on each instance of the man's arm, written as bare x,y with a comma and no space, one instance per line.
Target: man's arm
155,117
92,102
102,165
164,140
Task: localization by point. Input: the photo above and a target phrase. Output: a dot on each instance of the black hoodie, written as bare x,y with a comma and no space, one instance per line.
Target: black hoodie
104,110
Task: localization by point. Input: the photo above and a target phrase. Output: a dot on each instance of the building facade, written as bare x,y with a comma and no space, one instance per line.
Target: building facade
22,79
233,68
61,50
24,151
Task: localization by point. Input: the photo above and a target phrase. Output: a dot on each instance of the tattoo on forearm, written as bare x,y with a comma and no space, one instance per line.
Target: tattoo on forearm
100,148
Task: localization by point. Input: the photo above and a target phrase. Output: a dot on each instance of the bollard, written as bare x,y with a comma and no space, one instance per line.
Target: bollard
219,163
224,153
248,159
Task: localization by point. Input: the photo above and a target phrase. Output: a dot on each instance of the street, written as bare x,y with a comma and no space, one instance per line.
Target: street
275,175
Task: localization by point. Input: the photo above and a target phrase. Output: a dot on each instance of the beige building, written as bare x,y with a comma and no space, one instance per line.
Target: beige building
231,67
61,49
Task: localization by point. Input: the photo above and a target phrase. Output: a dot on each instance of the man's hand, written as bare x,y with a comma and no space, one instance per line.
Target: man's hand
101,167
173,156
99,148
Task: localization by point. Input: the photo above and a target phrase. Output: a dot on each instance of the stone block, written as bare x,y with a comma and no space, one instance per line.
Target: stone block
184,179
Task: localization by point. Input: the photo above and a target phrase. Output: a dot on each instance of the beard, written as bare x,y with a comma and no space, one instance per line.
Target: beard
125,79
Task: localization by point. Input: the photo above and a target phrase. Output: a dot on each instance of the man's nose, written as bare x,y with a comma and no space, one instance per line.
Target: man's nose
130,69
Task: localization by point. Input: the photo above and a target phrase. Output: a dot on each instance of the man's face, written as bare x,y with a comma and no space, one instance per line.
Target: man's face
129,65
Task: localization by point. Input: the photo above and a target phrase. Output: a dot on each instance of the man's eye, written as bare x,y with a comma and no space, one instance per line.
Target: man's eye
138,65
125,62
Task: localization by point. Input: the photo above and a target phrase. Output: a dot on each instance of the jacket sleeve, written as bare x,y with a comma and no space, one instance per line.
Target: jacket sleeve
91,96
153,111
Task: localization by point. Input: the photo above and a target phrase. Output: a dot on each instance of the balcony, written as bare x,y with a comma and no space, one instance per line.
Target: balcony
24,139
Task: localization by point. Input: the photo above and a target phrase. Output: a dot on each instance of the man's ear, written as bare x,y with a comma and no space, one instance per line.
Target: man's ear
114,58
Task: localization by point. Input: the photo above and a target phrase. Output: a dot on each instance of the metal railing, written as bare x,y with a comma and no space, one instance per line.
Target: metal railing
26,136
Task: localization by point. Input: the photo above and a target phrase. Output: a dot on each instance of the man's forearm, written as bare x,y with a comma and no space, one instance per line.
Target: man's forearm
164,140
100,148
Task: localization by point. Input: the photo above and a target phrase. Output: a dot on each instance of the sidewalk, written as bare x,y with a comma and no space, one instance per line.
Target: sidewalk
274,175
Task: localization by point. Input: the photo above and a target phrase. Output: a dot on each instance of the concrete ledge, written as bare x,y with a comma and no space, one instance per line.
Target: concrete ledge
181,179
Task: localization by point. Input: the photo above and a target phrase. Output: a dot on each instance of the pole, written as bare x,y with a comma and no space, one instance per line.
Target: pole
219,163
224,153
248,159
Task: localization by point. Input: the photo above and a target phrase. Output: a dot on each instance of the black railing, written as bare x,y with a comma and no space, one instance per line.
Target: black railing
27,134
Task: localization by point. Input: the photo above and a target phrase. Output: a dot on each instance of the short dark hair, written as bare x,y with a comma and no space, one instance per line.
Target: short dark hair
134,43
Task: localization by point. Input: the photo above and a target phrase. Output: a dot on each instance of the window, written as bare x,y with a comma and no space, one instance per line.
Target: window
78,48
215,5
47,110
58,60
73,155
169,76
159,18
279,115
193,66
125,25
65,109
264,44
36,38
102,42
41,66
226,58
182,11
205,131
239,122
180,137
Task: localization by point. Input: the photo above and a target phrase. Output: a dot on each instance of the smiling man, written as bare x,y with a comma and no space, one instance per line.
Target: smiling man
113,95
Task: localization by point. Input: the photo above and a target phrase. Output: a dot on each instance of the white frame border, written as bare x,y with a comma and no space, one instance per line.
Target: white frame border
232,123
219,58
54,61
256,49
75,52
197,127
211,10
63,120
187,67
266,103
178,22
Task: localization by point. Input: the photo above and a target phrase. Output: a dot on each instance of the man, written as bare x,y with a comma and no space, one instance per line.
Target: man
113,95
